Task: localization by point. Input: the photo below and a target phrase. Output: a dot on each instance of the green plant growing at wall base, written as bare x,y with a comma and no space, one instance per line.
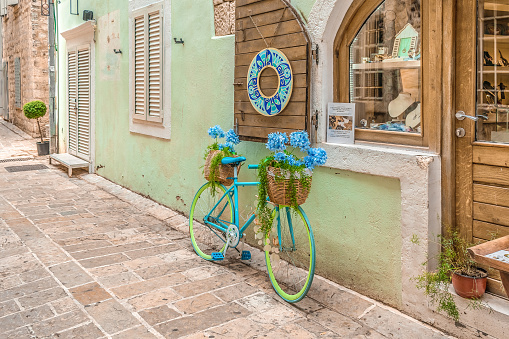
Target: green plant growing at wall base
35,110
453,259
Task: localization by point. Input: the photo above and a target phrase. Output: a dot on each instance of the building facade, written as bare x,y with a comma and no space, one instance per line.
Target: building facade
379,203
25,61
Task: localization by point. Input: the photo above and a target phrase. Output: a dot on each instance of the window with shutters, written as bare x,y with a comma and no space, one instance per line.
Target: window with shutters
17,82
147,64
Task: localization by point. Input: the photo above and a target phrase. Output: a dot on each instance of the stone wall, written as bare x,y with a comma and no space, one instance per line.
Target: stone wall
224,17
26,37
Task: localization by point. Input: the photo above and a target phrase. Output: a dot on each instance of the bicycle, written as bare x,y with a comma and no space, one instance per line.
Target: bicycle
214,228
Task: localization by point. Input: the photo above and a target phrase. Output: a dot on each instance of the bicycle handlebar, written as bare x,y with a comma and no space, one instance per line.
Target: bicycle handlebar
252,166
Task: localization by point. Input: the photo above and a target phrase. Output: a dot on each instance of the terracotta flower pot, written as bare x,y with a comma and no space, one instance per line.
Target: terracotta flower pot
469,287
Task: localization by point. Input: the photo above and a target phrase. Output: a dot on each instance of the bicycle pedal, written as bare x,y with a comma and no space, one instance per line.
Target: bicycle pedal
217,256
246,255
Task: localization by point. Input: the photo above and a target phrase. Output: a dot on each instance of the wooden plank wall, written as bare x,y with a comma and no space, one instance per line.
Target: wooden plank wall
282,29
491,200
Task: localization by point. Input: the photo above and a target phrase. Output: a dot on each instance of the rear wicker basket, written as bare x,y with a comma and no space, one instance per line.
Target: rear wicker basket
278,190
223,172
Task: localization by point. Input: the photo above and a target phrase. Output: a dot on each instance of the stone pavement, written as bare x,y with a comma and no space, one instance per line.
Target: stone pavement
85,258
15,143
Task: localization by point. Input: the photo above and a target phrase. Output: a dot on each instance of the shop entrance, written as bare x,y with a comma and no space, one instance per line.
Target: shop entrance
482,122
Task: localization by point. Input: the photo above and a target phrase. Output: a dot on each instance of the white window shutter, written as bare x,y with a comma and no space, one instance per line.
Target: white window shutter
83,106
154,61
72,100
139,68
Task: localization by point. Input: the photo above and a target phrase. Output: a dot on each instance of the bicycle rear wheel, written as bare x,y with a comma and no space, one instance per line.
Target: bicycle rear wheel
291,265
205,238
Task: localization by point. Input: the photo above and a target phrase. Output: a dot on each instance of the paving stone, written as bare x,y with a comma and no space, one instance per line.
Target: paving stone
9,281
27,289
338,323
152,251
235,292
315,328
145,262
179,255
11,322
112,316
119,279
70,274
201,321
206,285
8,307
397,326
22,332
87,245
159,314
59,323
103,261
109,250
240,328
42,297
34,275
89,293
139,332
108,270
145,286
159,270
154,299
64,305
291,331
87,331
198,303
36,315
13,251
204,272
277,315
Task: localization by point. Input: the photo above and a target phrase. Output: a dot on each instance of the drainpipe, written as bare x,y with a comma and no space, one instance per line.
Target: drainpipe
52,117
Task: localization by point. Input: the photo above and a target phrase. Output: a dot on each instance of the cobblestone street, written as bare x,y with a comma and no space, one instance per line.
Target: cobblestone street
85,258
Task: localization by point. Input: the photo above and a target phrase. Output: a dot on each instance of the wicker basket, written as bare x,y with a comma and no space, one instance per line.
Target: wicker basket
224,171
278,189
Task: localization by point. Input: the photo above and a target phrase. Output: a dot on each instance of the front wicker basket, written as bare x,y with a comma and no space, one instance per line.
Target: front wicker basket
223,173
278,190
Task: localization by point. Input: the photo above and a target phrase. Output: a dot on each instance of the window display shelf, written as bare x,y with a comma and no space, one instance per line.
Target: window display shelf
389,65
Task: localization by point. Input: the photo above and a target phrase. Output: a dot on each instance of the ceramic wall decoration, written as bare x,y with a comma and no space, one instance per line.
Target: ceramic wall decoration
405,41
275,104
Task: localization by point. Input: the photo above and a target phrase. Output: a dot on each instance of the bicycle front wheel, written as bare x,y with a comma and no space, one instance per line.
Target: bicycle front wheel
218,209
290,256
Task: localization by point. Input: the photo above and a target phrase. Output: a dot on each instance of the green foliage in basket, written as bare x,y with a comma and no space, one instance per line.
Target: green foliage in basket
226,149
298,170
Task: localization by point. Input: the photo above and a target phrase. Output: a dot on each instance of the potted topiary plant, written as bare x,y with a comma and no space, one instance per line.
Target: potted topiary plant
35,110
214,170
454,265
284,177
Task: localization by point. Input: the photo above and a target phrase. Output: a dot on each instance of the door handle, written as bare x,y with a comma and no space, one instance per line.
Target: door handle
460,115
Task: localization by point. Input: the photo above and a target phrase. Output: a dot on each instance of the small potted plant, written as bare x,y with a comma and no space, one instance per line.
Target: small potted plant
284,177
35,110
214,171
454,265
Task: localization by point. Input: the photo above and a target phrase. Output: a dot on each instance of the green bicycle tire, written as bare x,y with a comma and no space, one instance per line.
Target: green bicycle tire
293,275
203,203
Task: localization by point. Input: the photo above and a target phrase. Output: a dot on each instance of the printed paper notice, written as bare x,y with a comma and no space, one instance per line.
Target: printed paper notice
341,123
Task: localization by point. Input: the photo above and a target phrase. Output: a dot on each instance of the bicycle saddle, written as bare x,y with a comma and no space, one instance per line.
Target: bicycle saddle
231,160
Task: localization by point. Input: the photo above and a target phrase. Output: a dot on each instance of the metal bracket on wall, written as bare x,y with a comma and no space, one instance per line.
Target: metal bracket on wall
314,120
178,41
315,54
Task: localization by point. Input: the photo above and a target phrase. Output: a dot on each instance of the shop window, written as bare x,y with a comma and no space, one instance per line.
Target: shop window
378,63
224,17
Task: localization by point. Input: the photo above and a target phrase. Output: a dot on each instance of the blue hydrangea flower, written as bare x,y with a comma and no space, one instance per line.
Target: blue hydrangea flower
276,141
228,145
290,160
216,132
309,161
232,137
300,140
280,156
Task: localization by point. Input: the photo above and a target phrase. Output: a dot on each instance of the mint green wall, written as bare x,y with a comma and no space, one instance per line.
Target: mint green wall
355,217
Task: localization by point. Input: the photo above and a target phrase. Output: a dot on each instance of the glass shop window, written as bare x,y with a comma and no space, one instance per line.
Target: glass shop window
385,69
493,72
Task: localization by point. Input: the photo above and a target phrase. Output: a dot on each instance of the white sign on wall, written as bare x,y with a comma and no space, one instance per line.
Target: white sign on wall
341,128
